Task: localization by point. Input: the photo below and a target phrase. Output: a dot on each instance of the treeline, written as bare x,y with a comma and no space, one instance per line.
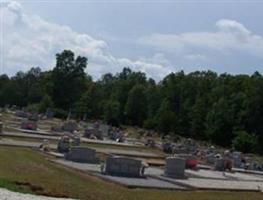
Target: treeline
223,109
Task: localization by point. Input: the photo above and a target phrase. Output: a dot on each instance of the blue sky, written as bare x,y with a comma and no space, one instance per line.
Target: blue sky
156,37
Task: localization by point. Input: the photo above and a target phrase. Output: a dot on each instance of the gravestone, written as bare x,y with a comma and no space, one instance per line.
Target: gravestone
237,159
63,144
70,126
104,128
75,140
116,135
167,147
20,113
220,164
175,167
122,166
29,125
49,113
82,155
211,159
180,149
190,145
33,117
93,133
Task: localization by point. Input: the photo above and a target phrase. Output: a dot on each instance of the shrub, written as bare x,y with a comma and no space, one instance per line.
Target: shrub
245,142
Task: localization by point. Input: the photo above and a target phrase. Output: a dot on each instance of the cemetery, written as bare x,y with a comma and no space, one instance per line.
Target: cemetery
96,149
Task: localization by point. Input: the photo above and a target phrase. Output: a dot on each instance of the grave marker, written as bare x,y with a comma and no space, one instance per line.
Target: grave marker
175,167
82,155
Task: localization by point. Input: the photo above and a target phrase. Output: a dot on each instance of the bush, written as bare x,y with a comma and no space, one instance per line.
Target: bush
149,124
45,103
59,113
245,142
33,108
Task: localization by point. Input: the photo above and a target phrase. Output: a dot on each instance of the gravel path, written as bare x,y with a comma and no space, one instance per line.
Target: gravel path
8,195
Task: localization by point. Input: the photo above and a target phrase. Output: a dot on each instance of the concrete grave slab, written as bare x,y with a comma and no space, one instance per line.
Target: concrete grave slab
215,184
82,155
148,182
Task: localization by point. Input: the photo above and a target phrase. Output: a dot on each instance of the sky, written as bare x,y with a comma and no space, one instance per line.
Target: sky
156,37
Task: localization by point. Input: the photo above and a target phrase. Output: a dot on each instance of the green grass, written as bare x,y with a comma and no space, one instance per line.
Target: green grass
15,186
28,171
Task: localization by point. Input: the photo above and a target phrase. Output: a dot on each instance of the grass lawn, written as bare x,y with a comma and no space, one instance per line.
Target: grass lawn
25,170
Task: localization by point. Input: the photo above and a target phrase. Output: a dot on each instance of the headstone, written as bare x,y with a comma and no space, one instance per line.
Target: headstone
220,164
190,145
104,128
122,166
20,113
49,113
116,135
82,155
33,117
210,159
180,149
29,125
76,141
175,167
167,147
93,133
63,145
237,159
70,126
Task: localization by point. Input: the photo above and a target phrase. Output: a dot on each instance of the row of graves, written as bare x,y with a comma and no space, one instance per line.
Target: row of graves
175,175
30,119
113,165
100,131
180,171
233,159
210,156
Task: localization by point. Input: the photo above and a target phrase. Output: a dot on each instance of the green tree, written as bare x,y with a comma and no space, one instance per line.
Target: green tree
165,118
68,79
247,143
136,105
45,104
112,112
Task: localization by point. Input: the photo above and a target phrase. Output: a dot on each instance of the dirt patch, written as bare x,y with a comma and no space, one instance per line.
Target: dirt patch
38,189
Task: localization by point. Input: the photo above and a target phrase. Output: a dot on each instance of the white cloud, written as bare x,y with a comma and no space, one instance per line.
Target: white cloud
196,57
230,36
31,41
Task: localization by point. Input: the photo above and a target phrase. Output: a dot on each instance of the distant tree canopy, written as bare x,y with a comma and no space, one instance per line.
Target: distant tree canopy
224,109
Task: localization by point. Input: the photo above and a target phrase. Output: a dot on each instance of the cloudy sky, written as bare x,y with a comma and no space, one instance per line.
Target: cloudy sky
156,37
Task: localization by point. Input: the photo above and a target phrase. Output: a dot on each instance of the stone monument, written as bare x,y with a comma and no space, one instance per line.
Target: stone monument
175,167
82,155
123,166
63,144
70,126
20,113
